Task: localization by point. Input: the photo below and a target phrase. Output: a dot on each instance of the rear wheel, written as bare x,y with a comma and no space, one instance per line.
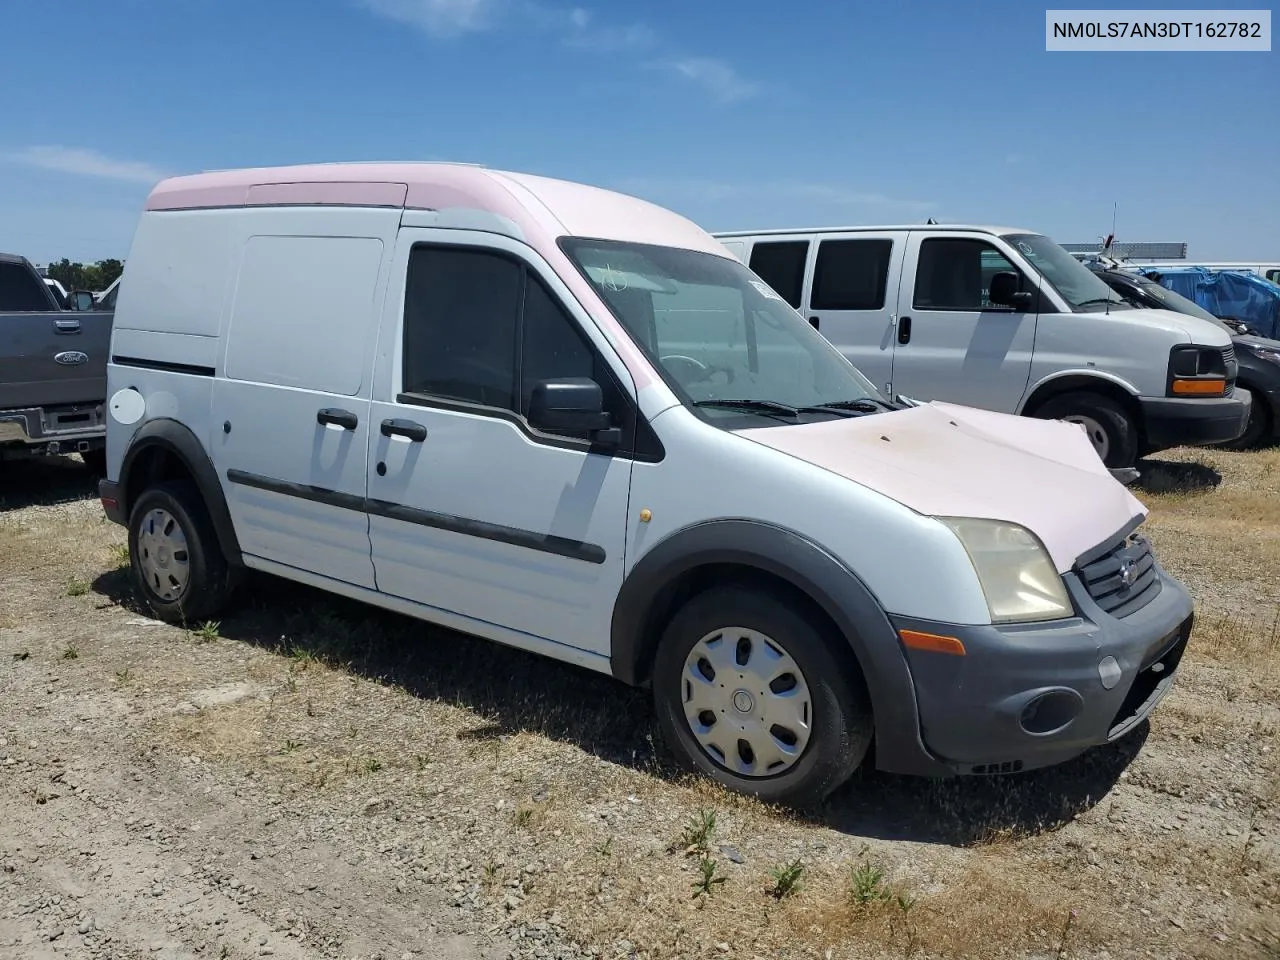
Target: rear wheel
1109,426
751,692
174,554
1258,428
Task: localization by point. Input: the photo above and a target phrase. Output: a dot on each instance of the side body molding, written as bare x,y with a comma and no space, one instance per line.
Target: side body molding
804,565
177,440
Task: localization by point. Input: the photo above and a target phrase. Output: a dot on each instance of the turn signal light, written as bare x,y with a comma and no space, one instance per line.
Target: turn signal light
1199,388
931,642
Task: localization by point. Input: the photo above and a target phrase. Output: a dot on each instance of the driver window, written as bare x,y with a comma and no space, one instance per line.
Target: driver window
461,311
465,311
954,273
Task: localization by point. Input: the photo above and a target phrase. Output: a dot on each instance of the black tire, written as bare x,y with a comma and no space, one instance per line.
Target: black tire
209,580
1257,429
841,726
96,461
1114,420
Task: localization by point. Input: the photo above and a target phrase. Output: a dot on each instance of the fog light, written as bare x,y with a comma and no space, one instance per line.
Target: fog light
1050,712
1109,672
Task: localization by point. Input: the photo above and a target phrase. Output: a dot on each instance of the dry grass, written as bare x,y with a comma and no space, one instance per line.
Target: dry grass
505,761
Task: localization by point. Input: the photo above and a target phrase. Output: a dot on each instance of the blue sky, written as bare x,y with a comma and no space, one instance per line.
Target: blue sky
746,114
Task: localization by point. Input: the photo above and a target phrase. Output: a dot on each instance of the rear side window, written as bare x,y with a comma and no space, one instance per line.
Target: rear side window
1273,276
21,291
851,274
780,264
304,312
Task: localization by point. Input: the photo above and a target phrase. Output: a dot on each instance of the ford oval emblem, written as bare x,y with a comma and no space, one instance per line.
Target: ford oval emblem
70,358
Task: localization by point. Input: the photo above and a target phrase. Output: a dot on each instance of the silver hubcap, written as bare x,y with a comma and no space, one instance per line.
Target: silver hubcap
162,555
746,702
1097,435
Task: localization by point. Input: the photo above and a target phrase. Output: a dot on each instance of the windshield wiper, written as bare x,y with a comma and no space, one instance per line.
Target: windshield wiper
1107,300
755,406
849,408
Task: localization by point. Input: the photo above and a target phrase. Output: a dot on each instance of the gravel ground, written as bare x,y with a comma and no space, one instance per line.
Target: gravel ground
310,778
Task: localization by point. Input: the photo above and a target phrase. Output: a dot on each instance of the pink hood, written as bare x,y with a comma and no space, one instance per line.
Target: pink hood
944,460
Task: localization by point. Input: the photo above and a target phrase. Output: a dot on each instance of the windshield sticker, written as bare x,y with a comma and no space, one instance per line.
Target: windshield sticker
1025,248
615,281
765,290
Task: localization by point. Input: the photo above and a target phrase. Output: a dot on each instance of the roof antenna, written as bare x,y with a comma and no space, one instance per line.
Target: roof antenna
931,222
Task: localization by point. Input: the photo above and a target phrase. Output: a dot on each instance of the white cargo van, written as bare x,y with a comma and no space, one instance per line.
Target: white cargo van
570,421
1005,319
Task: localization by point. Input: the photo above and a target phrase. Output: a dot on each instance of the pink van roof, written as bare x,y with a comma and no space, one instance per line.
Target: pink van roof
538,205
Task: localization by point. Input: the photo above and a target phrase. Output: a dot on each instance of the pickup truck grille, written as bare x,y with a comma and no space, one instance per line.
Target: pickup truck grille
1123,580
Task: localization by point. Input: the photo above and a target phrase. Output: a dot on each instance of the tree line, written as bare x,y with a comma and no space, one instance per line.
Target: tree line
85,276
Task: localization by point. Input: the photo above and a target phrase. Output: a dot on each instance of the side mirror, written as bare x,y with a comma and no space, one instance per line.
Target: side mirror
81,300
568,405
1005,292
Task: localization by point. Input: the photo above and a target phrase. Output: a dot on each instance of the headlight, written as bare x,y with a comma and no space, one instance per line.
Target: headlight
1272,355
1016,573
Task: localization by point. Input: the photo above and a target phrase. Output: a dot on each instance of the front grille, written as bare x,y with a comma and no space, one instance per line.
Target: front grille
1229,362
1123,580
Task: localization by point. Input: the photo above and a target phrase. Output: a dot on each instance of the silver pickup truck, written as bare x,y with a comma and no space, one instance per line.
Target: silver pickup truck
53,370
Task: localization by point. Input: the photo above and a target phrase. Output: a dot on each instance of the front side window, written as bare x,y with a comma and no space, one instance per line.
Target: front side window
467,310
954,273
461,311
851,274
21,292
725,342
1076,283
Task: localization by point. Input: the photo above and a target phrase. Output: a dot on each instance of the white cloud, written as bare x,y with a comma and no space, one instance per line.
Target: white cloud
718,78
585,32
88,163
578,27
439,18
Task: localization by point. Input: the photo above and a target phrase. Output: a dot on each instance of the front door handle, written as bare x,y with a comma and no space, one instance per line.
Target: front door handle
339,418
904,330
66,326
404,428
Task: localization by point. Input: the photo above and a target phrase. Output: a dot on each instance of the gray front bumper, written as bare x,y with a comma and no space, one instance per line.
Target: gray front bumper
1033,695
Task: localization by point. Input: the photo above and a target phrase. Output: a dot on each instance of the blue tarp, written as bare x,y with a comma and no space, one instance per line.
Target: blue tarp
1240,296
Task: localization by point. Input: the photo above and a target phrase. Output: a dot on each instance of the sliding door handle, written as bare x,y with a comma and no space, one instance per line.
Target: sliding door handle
339,418
404,428
904,329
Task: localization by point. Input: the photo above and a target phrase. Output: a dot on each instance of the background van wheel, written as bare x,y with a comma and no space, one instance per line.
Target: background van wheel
1258,427
174,555
1109,426
753,694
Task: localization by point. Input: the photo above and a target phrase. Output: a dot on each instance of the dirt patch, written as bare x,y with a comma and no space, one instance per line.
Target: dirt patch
312,778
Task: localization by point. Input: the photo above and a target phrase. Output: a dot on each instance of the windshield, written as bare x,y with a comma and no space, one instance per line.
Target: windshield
722,339
1076,283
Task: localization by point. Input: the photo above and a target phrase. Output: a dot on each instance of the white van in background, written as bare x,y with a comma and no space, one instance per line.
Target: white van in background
1005,319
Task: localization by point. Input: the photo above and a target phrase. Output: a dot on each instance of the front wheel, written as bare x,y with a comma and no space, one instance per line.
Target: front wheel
1109,426
757,696
174,554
